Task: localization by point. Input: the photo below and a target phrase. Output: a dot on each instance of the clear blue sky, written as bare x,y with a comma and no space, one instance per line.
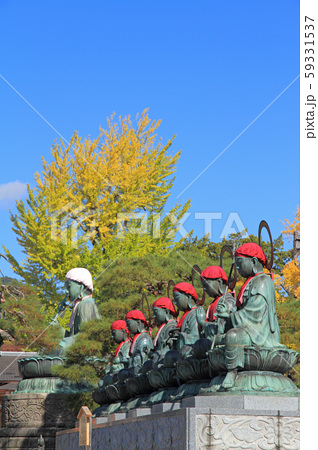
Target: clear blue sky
207,69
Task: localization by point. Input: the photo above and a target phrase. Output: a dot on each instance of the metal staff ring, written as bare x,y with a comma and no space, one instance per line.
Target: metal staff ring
264,224
171,283
143,297
196,270
227,248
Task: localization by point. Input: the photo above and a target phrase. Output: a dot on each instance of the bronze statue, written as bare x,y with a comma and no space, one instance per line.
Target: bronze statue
120,335
79,285
187,330
165,315
255,322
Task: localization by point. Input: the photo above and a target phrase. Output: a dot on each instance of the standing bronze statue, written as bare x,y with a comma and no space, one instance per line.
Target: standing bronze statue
79,285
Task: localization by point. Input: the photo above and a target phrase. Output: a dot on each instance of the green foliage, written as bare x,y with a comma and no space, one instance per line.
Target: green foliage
213,249
288,313
76,401
92,189
26,319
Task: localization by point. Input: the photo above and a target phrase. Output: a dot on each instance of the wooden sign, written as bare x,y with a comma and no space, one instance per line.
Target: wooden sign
85,426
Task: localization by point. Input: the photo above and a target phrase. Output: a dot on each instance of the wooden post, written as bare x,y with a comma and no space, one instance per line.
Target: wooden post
85,427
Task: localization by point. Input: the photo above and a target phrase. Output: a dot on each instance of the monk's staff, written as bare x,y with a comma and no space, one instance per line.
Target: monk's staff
229,284
61,307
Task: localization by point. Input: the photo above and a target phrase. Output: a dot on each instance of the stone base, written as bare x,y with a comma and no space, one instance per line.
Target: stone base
50,385
25,417
27,438
219,421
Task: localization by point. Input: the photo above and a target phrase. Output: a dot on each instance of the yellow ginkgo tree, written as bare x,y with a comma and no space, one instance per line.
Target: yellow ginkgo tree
289,278
97,199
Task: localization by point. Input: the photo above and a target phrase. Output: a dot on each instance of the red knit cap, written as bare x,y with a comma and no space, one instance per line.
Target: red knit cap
165,302
214,272
135,314
119,325
186,288
252,250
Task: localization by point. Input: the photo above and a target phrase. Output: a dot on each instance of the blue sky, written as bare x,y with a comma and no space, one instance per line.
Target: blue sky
207,69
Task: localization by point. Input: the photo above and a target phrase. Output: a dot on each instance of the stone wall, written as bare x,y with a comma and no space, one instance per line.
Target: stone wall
202,422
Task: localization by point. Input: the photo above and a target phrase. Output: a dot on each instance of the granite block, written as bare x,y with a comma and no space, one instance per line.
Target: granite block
270,403
138,412
163,407
213,401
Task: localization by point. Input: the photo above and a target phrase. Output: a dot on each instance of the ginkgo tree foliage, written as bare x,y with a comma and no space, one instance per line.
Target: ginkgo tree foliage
97,199
289,279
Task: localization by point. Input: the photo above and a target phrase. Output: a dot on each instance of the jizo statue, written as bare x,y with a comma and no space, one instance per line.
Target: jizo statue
121,336
79,287
187,330
141,342
255,322
164,314
214,282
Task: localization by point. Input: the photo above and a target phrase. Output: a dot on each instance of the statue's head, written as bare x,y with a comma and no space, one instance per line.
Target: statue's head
214,280
78,283
136,321
119,331
184,296
163,310
250,259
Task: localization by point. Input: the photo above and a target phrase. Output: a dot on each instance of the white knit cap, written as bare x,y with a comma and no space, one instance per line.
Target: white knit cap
81,275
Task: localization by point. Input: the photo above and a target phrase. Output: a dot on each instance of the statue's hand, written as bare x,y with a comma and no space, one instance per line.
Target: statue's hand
222,311
200,316
174,333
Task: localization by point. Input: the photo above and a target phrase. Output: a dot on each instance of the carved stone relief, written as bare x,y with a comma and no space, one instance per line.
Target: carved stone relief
246,432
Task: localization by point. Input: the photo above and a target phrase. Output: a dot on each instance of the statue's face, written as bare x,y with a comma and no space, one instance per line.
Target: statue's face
211,287
132,326
181,301
118,336
74,289
159,315
244,266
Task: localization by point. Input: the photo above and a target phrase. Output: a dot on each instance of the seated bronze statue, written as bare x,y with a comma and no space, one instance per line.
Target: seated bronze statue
255,323
187,330
214,282
139,350
165,316
194,366
120,335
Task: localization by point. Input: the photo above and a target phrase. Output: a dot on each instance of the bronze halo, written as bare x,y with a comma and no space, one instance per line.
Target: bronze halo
264,224
171,283
196,270
227,248
144,297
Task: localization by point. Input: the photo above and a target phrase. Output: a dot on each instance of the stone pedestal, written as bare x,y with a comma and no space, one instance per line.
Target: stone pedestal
219,421
25,417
